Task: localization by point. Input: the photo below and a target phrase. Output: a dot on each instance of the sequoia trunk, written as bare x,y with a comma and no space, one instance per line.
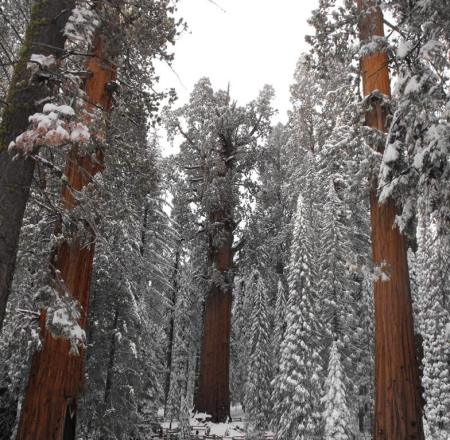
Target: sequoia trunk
213,394
44,36
56,376
398,414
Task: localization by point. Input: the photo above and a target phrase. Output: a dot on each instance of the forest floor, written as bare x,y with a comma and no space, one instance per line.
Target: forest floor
202,429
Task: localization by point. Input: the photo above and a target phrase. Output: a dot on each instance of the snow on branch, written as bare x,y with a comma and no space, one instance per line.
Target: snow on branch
55,126
82,23
62,316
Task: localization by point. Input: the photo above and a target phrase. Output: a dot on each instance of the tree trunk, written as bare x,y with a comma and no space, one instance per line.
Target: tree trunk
398,414
44,36
171,328
213,393
112,358
56,377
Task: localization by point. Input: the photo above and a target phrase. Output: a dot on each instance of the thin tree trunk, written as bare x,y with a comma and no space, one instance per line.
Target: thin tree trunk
56,377
112,357
170,332
398,413
110,367
44,36
213,392
144,230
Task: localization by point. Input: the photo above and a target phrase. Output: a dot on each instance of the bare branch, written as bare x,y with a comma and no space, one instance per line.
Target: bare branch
185,135
217,5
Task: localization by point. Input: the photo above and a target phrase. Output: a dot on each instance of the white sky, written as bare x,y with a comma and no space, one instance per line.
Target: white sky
252,43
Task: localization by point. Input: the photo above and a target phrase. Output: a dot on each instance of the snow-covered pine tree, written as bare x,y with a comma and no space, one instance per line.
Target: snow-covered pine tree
183,346
336,413
240,327
345,291
259,362
279,321
333,276
185,418
415,163
267,233
433,319
186,288
297,386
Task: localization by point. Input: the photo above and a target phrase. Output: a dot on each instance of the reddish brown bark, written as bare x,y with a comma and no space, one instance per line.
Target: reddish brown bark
213,396
56,377
398,412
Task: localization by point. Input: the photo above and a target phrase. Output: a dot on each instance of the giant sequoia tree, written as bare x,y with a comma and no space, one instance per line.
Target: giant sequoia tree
49,407
220,139
397,401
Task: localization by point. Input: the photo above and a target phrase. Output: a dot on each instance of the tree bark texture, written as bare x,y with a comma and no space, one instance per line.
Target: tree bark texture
213,392
44,36
56,376
398,413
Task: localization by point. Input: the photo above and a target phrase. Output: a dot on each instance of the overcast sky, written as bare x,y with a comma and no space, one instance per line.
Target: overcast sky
247,43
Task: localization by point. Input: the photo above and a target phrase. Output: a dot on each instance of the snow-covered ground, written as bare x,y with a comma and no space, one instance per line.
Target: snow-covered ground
230,429
199,425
